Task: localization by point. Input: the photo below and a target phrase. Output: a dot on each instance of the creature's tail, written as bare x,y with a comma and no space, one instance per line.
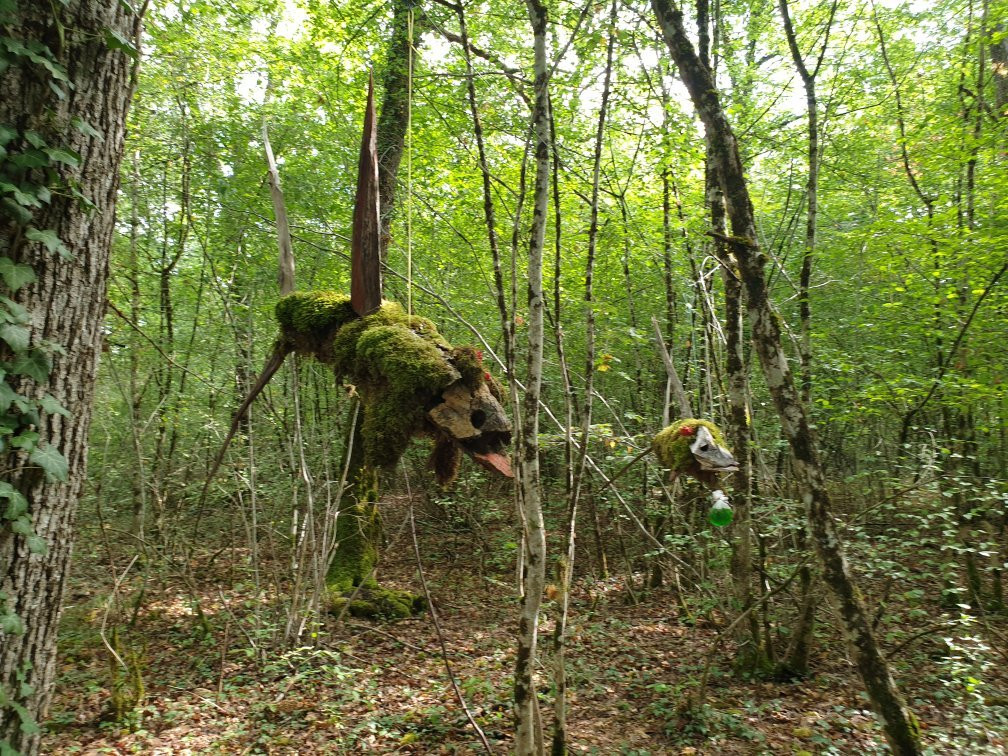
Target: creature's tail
273,363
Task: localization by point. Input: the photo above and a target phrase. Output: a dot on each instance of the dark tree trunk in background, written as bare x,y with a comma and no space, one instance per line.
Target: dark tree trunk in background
392,117
899,724
66,305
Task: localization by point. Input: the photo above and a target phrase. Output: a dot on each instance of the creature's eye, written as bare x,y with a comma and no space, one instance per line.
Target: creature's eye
477,418
705,447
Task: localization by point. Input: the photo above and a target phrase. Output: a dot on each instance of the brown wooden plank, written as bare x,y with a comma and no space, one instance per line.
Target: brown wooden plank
365,263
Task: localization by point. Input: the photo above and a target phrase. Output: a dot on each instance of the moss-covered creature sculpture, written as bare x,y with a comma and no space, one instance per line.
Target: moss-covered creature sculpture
411,382
695,448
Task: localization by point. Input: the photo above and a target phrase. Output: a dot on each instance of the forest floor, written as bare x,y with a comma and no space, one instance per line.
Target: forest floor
222,686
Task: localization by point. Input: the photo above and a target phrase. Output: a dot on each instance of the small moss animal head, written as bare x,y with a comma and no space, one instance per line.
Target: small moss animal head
672,445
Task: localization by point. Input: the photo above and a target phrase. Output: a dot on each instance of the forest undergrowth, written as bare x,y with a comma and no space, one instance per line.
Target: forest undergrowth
197,666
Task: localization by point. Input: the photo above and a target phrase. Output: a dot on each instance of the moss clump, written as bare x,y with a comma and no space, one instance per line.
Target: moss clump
379,603
314,312
672,445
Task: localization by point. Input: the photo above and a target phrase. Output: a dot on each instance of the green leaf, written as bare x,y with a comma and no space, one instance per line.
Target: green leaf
7,133
34,139
30,159
23,526
18,314
15,210
37,544
17,337
58,90
49,459
28,724
86,128
67,157
10,624
117,41
16,275
17,505
33,363
7,396
26,440
26,199
53,407
51,240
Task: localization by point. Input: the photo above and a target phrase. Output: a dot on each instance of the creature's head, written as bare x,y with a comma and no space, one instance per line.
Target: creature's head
694,447
469,418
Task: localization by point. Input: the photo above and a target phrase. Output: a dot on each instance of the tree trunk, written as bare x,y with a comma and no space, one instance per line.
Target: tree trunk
65,305
899,724
528,734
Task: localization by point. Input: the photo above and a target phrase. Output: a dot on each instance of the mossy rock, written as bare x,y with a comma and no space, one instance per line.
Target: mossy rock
375,602
672,444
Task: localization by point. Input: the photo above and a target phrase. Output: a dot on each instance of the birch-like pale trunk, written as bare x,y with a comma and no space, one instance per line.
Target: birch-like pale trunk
528,734
285,275
900,726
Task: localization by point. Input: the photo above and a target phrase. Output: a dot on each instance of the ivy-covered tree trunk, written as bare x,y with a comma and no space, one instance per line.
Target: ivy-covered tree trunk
898,722
64,94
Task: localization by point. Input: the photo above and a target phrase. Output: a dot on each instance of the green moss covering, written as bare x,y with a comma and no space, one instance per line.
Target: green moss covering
671,446
314,312
398,363
358,530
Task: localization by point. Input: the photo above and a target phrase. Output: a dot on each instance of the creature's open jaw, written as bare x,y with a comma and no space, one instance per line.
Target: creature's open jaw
473,420
490,454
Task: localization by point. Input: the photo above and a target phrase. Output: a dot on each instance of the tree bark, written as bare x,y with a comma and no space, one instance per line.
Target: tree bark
65,304
528,734
899,724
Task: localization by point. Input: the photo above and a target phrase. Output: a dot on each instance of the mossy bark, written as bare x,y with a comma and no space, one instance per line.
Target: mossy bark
351,576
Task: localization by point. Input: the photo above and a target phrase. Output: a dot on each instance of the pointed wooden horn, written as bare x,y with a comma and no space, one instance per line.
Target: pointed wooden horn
365,262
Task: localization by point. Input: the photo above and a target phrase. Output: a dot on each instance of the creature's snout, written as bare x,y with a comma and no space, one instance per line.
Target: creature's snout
475,420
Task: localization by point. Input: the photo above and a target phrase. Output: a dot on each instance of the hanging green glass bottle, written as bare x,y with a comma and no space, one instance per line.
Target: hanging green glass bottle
720,513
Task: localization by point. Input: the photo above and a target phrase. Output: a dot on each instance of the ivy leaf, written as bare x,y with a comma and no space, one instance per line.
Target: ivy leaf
7,133
23,526
26,440
34,139
11,624
19,214
37,544
34,363
7,396
51,240
17,504
17,337
30,159
28,724
16,275
53,407
86,128
117,41
59,155
18,314
25,198
58,90
49,459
